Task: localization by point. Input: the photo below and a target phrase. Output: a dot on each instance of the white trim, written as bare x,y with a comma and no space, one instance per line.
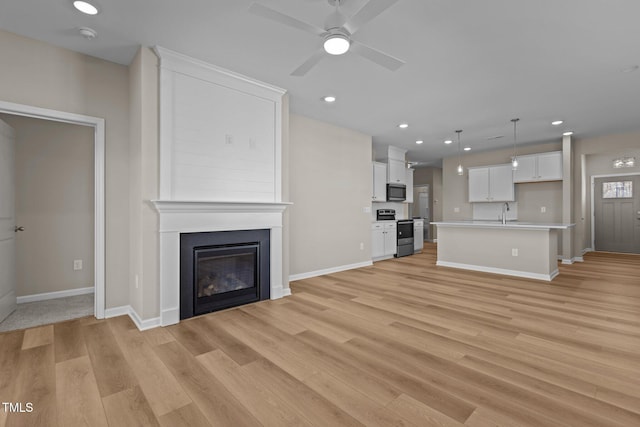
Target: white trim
568,261
127,310
53,295
116,311
329,271
578,259
99,184
524,274
585,250
143,325
593,203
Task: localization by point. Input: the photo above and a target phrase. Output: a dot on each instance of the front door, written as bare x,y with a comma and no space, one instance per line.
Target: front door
617,214
7,222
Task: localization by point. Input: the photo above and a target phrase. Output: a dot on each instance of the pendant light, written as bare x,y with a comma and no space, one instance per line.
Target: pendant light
514,160
460,168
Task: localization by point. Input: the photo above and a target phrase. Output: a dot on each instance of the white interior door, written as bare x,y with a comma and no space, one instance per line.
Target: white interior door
7,222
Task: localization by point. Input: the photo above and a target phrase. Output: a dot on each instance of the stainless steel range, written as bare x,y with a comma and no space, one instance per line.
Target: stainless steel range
405,237
404,231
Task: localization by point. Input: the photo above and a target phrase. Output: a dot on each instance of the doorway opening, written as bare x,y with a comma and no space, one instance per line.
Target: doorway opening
96,284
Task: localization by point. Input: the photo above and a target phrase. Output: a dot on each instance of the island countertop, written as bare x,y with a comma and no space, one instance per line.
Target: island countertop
508,225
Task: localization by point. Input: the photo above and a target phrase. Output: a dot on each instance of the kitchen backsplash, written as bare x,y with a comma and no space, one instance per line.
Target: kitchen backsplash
493,211
402,209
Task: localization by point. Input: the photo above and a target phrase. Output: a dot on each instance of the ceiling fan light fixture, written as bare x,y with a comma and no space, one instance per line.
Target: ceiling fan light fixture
336,44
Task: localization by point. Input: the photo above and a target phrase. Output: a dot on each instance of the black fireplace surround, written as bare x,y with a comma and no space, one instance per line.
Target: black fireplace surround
223,269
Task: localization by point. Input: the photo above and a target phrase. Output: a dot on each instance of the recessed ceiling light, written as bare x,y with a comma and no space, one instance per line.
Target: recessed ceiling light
448,141
85,7
403,125
419,141
467,148
557,122
329,99
569,133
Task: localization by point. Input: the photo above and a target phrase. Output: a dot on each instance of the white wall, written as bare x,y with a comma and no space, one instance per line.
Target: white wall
38,74
54,202
330,184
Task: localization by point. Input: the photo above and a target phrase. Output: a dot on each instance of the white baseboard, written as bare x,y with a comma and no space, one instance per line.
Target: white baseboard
53,295
585,250
524,274
279,292
316,273
129,311
567,261
578,259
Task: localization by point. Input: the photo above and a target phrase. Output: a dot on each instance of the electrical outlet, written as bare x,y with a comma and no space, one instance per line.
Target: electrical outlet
77,264
514,252
543,209
362,246
366,209
456,210
137,281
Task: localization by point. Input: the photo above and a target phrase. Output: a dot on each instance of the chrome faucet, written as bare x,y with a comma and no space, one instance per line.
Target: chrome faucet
505,209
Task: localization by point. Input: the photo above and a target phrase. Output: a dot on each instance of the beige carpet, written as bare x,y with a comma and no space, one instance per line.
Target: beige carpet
38,313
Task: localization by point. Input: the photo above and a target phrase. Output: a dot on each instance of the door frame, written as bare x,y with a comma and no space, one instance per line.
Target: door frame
98,125
593,203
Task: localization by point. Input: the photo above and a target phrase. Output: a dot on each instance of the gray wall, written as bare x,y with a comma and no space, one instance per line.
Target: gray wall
330,185
595,156
42,75
530,197
54,202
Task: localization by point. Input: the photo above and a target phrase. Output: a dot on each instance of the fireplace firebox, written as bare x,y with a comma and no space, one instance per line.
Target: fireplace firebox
222,269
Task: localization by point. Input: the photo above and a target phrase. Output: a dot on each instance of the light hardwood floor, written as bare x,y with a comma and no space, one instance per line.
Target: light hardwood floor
399,343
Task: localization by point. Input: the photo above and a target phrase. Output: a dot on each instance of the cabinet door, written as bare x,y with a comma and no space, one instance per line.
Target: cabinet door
501,183
409,182
377,240
479,185
390,239
550,166
397,172
379,182
527,169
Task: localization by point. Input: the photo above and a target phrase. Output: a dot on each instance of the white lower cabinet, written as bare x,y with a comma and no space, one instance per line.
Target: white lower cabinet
383,240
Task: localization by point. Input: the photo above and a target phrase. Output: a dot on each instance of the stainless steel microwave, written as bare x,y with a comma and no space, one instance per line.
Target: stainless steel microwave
396,192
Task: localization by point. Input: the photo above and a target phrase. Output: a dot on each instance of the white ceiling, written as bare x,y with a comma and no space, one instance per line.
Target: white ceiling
470,64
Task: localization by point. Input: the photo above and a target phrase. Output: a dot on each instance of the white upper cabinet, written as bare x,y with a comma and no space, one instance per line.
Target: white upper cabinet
539,167
379,182
397,172
491,184
409,182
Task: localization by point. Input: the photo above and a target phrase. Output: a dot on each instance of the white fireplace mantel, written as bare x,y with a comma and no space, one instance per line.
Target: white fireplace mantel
178,217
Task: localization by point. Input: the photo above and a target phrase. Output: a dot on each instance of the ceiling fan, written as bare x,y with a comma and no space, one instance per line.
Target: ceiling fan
337,33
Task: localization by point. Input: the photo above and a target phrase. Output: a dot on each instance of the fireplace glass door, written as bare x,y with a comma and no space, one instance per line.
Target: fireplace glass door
221,269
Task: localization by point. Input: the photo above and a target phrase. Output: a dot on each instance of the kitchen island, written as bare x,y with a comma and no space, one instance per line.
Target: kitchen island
522,249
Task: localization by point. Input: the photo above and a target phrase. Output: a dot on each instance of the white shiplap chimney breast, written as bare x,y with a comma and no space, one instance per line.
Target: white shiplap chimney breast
220,163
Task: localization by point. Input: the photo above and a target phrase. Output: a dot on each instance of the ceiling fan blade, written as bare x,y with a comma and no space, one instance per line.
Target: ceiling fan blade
369,11
274,15
380,58
309,63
